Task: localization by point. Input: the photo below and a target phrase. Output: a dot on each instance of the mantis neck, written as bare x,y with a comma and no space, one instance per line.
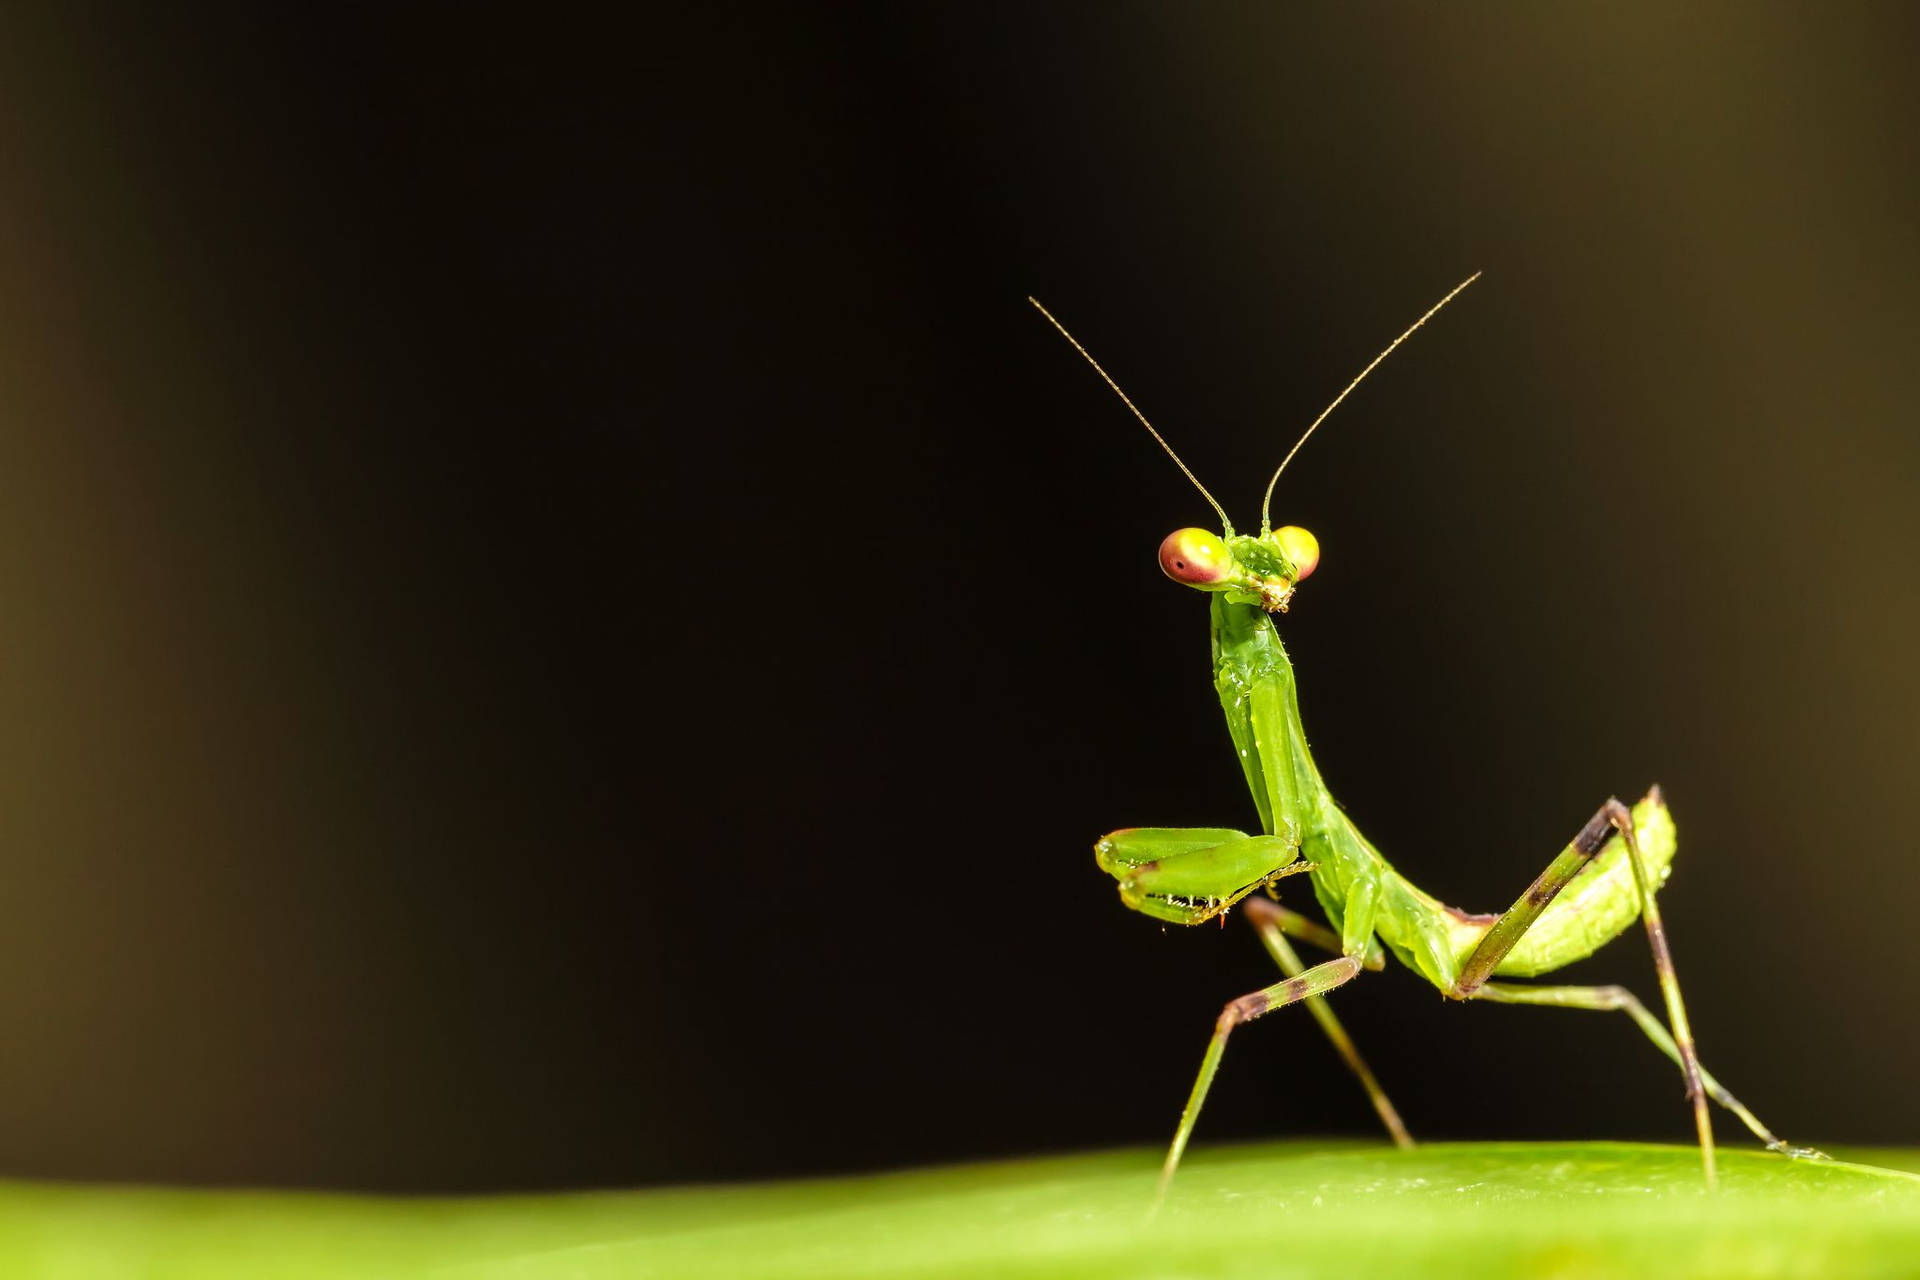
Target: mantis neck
1255,682
1360,892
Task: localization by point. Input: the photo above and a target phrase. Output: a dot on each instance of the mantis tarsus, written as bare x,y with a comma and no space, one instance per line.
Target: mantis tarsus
1604,877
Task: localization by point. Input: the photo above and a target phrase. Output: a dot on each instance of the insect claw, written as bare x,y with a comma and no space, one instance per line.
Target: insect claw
1796,1153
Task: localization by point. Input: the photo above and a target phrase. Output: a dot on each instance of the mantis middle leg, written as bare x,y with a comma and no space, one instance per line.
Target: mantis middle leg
1275,924
1507,930
1317,981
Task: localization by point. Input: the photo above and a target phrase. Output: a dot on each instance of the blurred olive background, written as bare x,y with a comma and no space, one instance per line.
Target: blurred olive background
563,623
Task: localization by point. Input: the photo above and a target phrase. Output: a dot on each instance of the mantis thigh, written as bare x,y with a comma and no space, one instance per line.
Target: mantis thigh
1599,903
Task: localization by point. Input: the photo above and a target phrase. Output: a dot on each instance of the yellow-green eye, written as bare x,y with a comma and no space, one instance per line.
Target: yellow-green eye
1195,557
1299,547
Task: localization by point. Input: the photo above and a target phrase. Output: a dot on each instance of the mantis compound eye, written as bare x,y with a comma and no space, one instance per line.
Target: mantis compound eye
1195,557
1300,548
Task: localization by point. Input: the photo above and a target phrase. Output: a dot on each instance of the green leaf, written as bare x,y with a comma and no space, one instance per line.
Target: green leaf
1479,1210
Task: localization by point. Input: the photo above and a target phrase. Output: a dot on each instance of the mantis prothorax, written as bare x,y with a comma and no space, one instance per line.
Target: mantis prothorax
1604,877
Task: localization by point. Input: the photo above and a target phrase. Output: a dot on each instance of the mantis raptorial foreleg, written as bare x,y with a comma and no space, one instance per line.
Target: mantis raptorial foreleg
1508,929
1275,924
1316,981
1611,998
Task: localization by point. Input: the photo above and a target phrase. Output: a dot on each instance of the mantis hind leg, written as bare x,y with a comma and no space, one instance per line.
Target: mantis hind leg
1317,981
1610,998
1275,924
1521,916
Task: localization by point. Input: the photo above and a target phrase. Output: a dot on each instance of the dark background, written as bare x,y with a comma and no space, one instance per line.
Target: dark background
562,622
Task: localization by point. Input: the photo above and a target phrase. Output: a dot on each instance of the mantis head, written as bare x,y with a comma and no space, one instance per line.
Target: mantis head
1261,570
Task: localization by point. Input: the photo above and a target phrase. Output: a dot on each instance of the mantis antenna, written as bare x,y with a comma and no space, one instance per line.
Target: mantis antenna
1267,501
1226,525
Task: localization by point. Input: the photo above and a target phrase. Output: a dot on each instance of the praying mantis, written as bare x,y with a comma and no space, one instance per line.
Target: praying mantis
1589,894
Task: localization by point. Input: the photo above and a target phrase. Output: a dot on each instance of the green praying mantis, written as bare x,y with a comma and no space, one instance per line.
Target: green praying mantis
1604,877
